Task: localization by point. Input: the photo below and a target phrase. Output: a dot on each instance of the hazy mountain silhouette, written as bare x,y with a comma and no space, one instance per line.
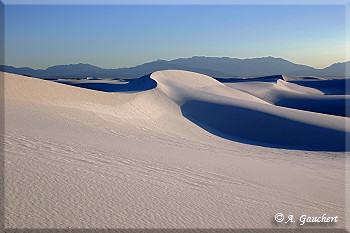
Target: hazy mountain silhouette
244,67
212,66
87,70
337,69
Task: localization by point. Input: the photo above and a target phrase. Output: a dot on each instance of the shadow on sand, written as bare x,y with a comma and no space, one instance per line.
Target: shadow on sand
141,84
262,129
329,87
333,106
272,78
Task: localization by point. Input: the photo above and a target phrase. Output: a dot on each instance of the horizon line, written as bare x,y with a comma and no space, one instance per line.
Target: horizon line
245,58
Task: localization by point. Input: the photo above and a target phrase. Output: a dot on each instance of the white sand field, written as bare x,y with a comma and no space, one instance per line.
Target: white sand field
189,153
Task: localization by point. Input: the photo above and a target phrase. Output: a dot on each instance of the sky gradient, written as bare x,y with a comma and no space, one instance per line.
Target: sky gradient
113,36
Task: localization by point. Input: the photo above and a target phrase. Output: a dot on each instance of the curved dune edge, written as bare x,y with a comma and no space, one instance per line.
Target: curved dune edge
243,117
327,96
223,111
130,105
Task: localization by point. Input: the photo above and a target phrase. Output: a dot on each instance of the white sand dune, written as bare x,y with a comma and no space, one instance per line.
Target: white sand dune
319,95
240,116
189,153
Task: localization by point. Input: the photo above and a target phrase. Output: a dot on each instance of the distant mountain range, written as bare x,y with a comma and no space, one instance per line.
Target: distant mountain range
212,66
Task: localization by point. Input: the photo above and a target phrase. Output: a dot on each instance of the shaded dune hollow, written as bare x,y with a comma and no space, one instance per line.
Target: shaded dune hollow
262,128
141,84
235,115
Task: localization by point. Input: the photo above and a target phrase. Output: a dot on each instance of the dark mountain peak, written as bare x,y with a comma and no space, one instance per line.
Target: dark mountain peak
339,64
268,58
78,65
160,60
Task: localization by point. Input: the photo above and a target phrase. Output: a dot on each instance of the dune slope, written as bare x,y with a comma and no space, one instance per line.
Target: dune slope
82,158
243,117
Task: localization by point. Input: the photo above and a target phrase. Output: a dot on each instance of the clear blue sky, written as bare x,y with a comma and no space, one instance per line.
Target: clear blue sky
112,36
